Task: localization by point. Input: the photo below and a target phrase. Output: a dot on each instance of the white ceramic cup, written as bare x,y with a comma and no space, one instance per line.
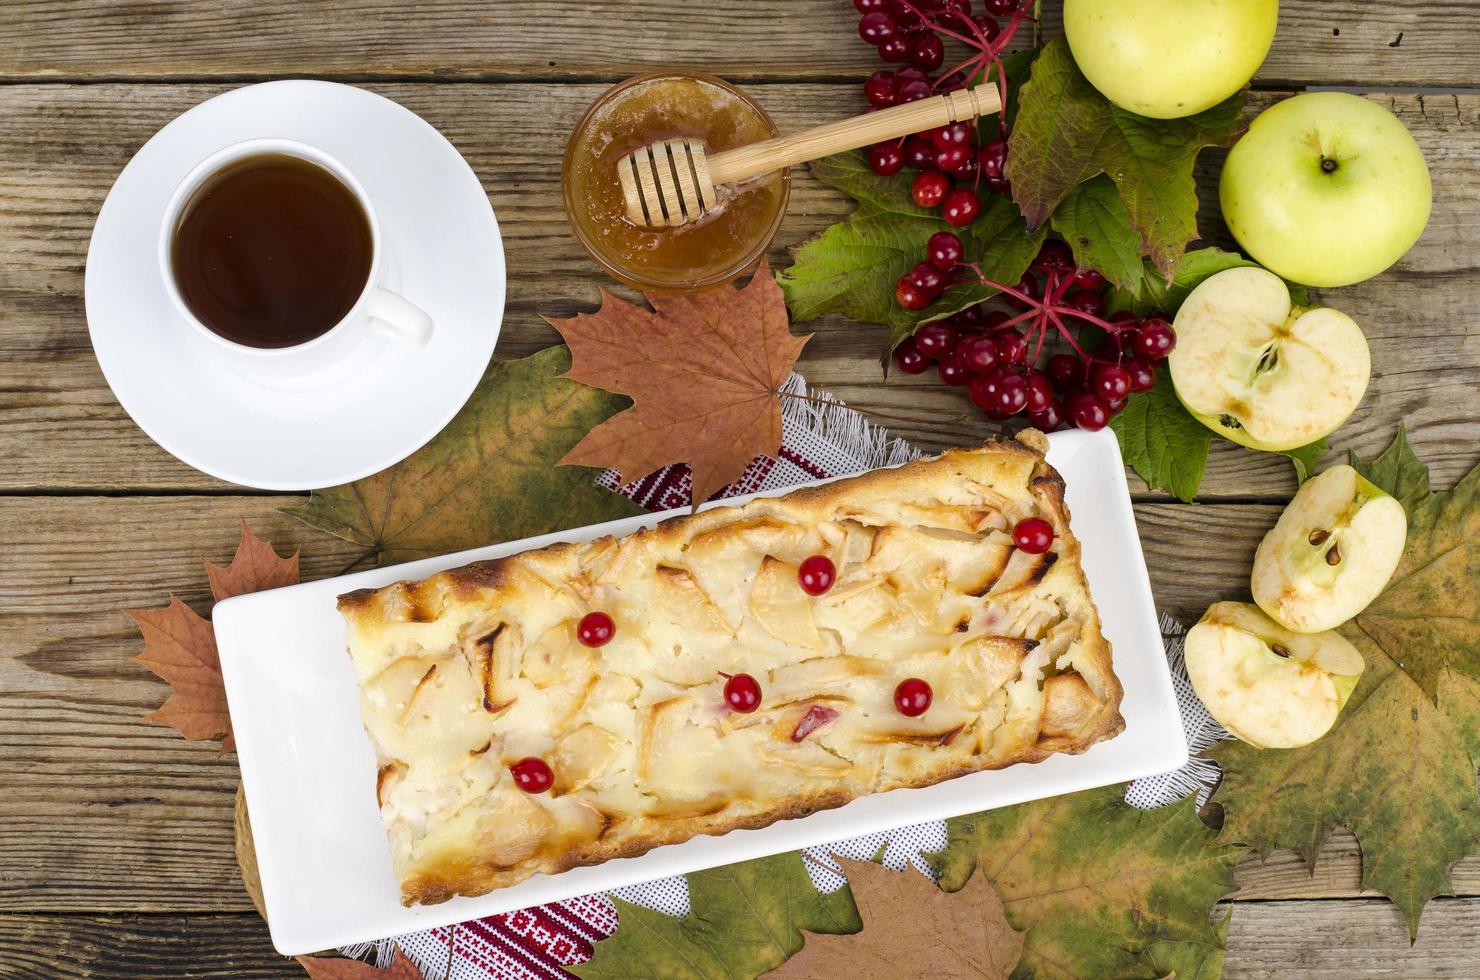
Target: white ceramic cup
378,312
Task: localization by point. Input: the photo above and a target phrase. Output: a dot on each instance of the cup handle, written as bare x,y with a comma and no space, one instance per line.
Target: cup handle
394,316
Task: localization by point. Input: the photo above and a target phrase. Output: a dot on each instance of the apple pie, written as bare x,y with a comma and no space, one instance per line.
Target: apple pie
728,669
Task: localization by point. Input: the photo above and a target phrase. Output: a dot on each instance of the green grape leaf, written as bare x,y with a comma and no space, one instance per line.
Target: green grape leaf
1101,888
489,476
1095,223
1305,458
1157,294
745,919
1399,767
1066,132
1165,445
853,266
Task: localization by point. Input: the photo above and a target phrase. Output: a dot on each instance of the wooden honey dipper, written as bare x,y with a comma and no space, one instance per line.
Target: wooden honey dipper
672,182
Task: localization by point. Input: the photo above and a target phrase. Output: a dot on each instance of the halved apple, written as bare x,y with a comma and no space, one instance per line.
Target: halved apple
1330,553
1261,373
1270,687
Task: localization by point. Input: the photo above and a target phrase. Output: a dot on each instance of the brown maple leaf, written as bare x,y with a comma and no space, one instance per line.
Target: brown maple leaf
334,968
254,568
180,646
702,371
912,929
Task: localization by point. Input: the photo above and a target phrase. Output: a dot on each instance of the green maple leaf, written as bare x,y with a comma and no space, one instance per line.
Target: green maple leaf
853,266
1165,445
489,476
1066,133
1095,223
1397,470
1399,767
1100,887
745,919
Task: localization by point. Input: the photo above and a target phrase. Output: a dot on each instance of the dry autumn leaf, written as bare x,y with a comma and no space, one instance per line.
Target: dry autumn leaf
254,568
334,968
702,372
180,647
912,929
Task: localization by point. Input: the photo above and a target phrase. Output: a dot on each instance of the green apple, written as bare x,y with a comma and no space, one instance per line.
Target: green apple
1268,686
1326,188
1331,552
1258,371
1169,58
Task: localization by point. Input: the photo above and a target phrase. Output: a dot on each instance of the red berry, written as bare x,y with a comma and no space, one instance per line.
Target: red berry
885,159
1155,338
993,160
912,697
909,296
816,574
1001,187
1011,396
895,49
1085,301
1040,392
876,27
1065,371
927,52
868,6
918,153
1051,419
1012,347
978,353
1002,8
972,317
989,27
952,158
966,172
879,89
532,775
960,207
743,693
953,134
1028,286
909,359
904,76
1115,407
930,188
927,278
935,339
1124,318
1054,256
952,369
994,319
944,250
1142,373
596,629
1110,382
1088,412
1033,535
912,91
1090,279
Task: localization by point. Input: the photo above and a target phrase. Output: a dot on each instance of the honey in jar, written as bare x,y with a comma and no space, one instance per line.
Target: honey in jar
714,248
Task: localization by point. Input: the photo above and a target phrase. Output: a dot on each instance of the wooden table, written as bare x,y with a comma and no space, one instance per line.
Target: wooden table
116,835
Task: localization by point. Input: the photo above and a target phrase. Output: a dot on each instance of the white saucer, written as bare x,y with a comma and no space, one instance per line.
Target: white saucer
443,253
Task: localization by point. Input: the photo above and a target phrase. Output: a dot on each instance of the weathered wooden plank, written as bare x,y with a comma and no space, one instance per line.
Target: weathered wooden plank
1351,940
62,146
1402,42
231,947
102,811
1340,940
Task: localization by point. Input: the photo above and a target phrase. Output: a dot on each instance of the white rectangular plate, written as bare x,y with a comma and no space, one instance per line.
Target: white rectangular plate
309,769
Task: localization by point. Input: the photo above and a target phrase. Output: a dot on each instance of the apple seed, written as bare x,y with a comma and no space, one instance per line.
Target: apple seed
1318,536
1333,557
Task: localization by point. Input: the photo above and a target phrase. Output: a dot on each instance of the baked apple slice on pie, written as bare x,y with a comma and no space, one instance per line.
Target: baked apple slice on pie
728,669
